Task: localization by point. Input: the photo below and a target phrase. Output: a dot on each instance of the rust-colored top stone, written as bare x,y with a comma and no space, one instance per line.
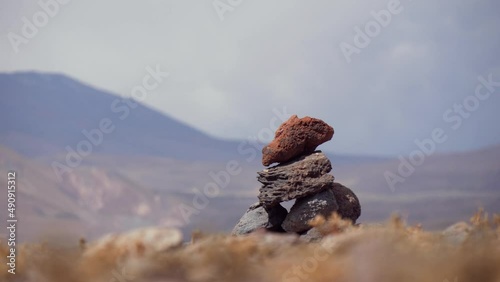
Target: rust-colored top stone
296,137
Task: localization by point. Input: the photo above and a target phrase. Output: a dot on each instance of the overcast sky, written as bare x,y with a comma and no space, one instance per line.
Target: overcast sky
226,76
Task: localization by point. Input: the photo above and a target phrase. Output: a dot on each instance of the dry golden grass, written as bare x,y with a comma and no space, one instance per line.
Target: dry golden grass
388,252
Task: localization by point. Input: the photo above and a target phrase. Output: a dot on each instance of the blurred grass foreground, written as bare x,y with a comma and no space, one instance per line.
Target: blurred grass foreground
384,252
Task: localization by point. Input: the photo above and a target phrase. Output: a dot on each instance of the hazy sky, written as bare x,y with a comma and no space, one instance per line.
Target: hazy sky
226,76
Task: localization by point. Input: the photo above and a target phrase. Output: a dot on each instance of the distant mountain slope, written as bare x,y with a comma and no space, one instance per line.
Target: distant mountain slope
44,113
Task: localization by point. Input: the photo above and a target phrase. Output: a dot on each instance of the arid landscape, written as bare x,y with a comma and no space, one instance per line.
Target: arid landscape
120,190
252,141
135,192
391,251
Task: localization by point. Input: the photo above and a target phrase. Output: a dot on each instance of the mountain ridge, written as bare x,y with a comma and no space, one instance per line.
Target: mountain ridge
45,114
49,111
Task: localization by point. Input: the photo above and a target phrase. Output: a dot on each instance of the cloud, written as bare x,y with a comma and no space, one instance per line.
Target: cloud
227,76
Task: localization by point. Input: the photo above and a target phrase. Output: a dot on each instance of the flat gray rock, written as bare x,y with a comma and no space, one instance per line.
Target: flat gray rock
301,177
256,217
307,208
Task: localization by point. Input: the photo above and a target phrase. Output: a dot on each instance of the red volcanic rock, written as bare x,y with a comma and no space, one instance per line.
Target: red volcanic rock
296,137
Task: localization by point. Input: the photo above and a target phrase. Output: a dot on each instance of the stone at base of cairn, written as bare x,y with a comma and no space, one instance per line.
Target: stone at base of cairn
336,198
256,217
349,206
307,208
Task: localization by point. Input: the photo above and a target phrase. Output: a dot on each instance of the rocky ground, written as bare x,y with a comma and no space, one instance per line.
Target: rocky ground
385,252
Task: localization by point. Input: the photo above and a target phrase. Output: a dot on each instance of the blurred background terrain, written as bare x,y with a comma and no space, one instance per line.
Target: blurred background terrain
142,173
220,78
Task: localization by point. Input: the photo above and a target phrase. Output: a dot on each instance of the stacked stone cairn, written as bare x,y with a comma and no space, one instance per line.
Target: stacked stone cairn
302,174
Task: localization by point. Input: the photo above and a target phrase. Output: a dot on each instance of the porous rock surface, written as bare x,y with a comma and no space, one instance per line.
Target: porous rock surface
296,137
304,176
